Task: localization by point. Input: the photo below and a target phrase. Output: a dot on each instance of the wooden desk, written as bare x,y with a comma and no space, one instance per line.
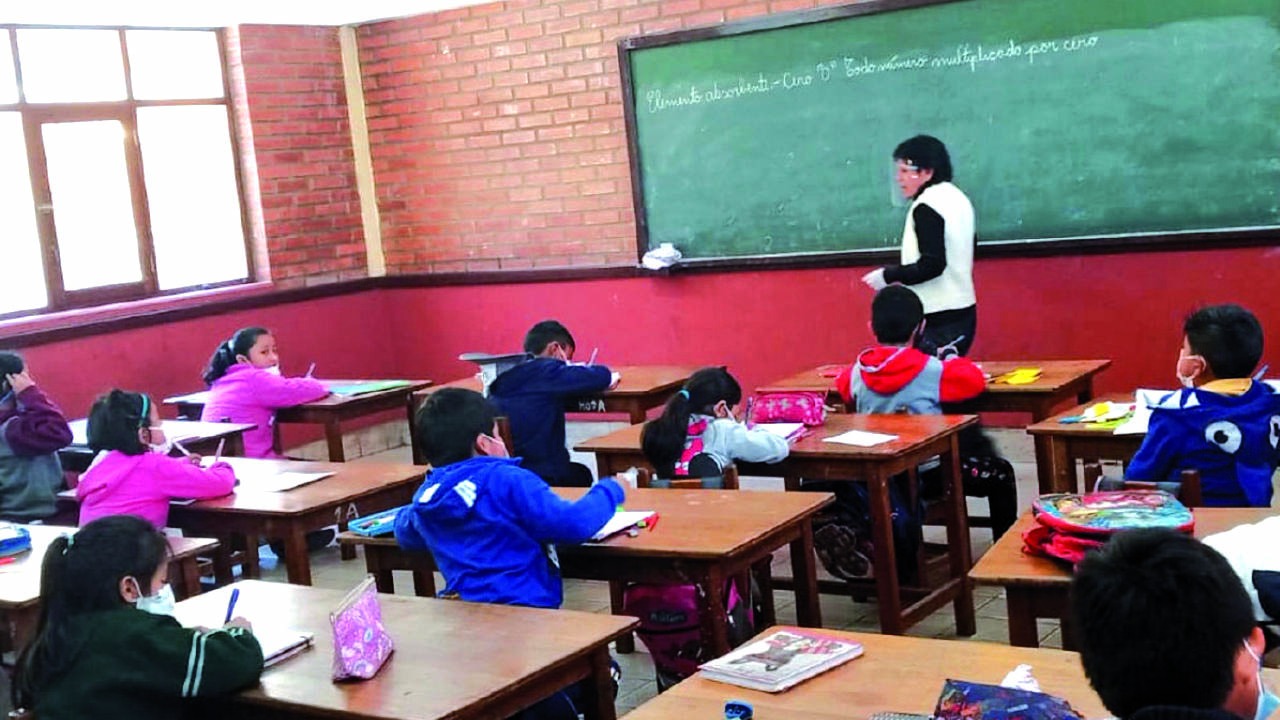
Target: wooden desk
330,411
452,659
355,489
20,580
920,437
1065,443
201,438
903,674
703,537
642,388
1060,381
1037,587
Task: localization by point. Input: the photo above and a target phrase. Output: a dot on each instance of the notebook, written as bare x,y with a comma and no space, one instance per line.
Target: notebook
786,431
338,387
281,482
279,644
860,438
781,660
621,521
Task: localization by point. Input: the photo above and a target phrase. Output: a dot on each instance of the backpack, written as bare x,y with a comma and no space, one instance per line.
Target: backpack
842,530
1068,525
670,626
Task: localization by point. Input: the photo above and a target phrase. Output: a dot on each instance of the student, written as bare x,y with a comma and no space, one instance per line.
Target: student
133,473
491,524
533,395
245,386
697,434
895,377
1167,631
32,431
1221,423
107,645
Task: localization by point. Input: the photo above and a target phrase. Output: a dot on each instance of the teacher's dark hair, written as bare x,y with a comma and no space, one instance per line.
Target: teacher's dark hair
927,153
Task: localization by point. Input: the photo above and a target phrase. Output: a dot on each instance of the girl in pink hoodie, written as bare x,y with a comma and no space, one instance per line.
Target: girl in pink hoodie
245,386
133,473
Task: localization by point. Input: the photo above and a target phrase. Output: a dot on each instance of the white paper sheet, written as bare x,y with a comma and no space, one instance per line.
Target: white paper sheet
860,438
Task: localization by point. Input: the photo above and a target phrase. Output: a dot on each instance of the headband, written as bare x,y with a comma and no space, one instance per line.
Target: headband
146,412
685,393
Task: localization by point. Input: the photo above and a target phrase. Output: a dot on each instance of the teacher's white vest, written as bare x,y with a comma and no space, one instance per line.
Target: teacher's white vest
953,289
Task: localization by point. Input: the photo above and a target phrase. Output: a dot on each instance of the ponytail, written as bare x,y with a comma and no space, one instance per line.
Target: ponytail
662,439
115,419
229,350
81,574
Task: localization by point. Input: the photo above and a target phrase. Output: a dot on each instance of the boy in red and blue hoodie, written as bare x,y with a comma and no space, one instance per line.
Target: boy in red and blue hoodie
32,431
490,524
894,377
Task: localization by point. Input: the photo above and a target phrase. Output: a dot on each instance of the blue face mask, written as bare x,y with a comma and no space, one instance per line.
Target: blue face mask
1268,702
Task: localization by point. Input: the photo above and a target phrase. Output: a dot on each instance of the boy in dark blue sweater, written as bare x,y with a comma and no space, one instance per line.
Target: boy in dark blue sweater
1222,423
533,396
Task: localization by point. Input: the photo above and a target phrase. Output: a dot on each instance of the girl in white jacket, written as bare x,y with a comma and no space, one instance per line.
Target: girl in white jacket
697,434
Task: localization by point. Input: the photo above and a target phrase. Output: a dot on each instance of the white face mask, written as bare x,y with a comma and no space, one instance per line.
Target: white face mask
1268,703
1188,381
273,369
163,448
162,603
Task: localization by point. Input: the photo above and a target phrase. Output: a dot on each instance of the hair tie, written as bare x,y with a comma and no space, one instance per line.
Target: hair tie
685,393
71,539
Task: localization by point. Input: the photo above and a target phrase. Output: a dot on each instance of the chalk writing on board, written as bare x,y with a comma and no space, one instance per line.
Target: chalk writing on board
965,55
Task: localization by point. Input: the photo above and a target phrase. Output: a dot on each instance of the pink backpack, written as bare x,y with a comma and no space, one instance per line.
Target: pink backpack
670,628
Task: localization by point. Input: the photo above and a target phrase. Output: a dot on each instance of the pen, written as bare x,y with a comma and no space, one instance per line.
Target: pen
231,606
592,359
311,369
7,560
181,449
751,403
652,522
217,454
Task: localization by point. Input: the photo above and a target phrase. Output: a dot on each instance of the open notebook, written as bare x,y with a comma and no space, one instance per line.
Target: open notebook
622,521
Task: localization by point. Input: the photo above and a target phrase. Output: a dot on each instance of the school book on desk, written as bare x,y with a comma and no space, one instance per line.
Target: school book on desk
280,644
781,660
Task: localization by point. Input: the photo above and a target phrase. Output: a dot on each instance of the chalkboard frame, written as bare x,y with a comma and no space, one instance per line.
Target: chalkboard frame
1029,247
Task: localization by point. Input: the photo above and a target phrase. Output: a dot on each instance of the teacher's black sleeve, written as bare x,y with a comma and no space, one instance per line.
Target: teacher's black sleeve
933,249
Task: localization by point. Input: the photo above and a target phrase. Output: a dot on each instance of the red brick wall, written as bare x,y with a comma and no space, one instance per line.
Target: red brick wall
497,133
297,110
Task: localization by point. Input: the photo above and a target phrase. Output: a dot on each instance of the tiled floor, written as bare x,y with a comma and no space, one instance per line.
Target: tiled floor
837,612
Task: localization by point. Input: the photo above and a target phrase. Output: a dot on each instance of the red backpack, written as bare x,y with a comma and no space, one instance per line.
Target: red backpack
1069,525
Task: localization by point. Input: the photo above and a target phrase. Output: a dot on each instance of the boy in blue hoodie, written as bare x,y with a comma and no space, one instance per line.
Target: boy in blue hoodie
533,396
1221,423
491,524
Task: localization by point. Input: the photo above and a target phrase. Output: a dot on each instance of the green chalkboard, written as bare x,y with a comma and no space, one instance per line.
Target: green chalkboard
1065,119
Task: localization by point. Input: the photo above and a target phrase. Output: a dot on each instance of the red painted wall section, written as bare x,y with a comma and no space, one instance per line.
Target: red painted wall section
297,107
766,324
346,336
497,132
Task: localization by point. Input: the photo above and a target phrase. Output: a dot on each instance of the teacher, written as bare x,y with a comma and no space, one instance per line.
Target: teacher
937,247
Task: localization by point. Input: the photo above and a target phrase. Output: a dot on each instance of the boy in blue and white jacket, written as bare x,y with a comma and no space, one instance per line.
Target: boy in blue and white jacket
491,524
1222,423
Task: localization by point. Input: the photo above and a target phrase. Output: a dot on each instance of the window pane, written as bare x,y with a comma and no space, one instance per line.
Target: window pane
8,79
92,204
71,65
191,191
174,64
23,284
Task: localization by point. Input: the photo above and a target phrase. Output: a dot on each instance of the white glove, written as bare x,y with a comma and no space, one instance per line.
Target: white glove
875,279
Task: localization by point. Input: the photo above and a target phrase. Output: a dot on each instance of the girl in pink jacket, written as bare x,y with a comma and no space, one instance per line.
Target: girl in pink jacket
133,473
245,386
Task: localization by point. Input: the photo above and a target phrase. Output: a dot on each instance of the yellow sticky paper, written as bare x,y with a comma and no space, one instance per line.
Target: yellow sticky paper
1020,376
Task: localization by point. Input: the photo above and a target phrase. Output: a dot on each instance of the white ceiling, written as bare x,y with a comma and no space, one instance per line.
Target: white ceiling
215,13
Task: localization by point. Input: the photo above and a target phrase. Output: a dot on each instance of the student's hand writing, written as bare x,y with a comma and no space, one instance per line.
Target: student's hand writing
195,459
875,279
617,378
239,622
20,381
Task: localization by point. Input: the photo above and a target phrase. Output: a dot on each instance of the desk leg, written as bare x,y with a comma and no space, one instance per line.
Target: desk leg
886,567
598,701
959,550
235,446
1022,618
637,414
333,435
1068,630
763,574
250,566
715,628
189,574
383,579
804,570
296,560
1055,470
424,583
22,626
626,643
1086,392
